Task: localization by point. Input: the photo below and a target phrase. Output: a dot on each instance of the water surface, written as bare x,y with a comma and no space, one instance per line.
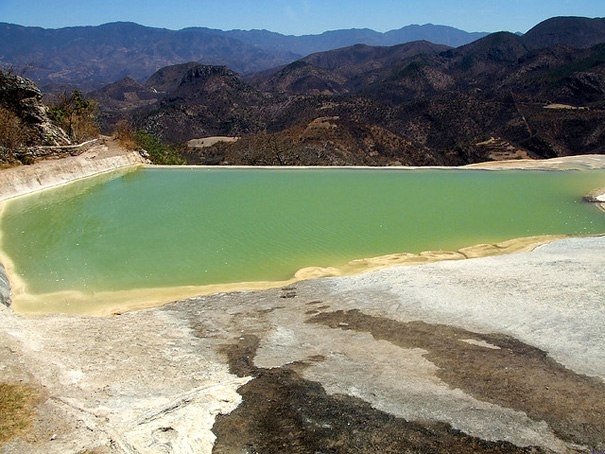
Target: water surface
158,227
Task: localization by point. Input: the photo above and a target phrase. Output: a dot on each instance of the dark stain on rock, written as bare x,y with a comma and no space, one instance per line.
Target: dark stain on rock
288,292
313,312
510,374
241,356
270,310
318,306
283,413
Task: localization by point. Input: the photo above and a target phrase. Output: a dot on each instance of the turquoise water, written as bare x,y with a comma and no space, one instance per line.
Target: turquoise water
161,227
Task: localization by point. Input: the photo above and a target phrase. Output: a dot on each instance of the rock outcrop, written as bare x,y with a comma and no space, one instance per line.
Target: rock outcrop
22,97
5,289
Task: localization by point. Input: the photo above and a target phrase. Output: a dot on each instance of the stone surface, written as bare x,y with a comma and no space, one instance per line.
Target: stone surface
5,288
494,354
103,156
24,98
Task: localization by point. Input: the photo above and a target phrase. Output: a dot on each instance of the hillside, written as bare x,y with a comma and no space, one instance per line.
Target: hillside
578,32
340,71
503,96
87,58
334,39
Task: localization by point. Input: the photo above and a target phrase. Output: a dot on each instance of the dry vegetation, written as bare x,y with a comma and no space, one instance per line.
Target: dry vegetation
124,133
156,151
16,409
76,115
331,141
13,133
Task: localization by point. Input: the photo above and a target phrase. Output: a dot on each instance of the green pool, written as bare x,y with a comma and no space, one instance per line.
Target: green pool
171,227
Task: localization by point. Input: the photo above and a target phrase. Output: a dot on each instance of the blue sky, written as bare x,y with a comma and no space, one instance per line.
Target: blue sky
298,16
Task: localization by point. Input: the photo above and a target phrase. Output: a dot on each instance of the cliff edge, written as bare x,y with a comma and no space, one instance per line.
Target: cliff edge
24,120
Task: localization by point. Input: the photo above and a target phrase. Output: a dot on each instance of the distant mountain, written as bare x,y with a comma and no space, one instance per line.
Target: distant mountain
577,32
90,57
340,71
334,39
503,96
169,78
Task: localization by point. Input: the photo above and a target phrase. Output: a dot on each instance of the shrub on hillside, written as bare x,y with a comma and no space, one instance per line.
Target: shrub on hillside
13,135
124,134
159,153
76,115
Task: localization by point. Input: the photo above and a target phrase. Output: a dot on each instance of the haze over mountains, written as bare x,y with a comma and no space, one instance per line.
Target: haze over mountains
502,96
89,57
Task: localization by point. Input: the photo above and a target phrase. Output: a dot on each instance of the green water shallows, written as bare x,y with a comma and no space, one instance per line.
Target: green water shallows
173,227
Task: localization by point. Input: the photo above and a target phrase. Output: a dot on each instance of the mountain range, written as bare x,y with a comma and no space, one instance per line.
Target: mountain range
89,57
502,96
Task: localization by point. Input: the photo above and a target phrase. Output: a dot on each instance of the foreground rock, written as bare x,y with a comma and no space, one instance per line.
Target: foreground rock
22,98
497,354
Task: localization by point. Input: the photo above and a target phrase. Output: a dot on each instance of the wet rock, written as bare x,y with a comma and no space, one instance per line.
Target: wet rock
5,290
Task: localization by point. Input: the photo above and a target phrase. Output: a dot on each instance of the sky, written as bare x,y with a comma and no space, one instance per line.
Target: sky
298,17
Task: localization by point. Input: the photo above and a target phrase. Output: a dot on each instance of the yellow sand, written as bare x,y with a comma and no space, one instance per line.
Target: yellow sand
107,303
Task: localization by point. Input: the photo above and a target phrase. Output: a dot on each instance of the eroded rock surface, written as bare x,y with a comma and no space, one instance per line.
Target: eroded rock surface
495,354
23,97
5,288
99,156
